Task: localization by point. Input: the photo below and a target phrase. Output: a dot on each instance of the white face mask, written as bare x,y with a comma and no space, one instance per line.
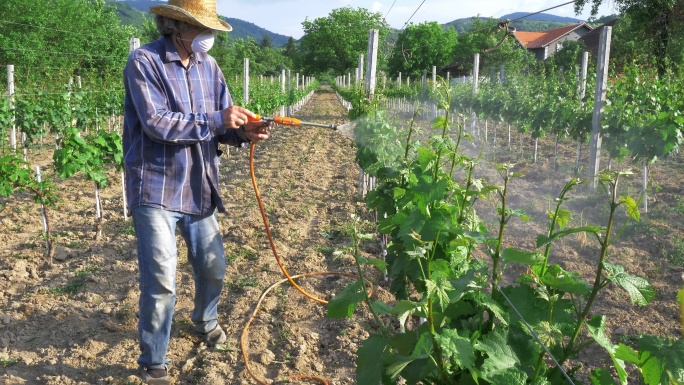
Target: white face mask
203,42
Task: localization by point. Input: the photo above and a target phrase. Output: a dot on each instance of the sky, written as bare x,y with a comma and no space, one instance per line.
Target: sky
286,16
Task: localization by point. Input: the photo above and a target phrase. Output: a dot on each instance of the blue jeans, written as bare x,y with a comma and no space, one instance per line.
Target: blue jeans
155,230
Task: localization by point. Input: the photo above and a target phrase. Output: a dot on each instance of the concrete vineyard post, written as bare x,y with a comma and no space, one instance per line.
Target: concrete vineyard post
583,79
476,75
98,209
476,71
599,100
372,64
289,93
399,80
42,213
10,94
645,185
366,182
360,74
582,94
245,79
434,76
282,89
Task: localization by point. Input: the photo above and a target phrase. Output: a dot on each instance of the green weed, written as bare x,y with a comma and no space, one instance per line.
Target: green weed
325,250
234,254
5,362
75,284
240,283
675,254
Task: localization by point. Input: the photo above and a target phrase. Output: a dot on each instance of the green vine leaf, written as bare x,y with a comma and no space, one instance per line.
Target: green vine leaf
346,301
549,334
456,349
510,376
632,207
440,289
639,290
500,355
569,282
543,239
680,299
369,363
404,309
563,218
661,360
525,257
597,330
601,377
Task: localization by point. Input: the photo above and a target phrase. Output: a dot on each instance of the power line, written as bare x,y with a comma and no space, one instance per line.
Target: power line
544,10
486,28
414,13
390,10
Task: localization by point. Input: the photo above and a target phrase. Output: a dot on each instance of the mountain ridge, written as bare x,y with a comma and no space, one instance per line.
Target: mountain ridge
241,29
244,29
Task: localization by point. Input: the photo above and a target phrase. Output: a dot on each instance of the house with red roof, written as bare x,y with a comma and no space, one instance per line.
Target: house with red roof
546,43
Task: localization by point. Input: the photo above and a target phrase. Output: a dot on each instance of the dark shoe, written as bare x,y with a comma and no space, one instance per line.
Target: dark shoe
155,376
215,336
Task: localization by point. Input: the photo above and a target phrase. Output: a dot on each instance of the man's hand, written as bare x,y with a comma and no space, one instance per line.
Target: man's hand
236,116
257,131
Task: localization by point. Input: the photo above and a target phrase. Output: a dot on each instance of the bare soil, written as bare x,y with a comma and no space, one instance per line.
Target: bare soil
75,321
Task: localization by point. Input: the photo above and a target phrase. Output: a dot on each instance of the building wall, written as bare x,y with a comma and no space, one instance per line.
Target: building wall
572,36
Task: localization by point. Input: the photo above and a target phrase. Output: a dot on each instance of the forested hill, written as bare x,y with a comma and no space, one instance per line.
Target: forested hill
244,29
538,22
134,12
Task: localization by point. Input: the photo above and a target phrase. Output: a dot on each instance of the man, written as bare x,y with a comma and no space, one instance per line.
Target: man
177,110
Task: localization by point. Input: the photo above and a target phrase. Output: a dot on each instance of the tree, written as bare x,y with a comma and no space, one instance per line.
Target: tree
67,35
266,42
334,43
419,47
290,48
230,54
495,47
658,26
570,55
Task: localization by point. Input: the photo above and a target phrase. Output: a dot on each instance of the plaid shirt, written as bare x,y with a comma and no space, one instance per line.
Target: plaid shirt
172,129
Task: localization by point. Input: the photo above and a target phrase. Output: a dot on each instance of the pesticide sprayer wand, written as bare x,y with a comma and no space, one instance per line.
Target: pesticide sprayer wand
288,121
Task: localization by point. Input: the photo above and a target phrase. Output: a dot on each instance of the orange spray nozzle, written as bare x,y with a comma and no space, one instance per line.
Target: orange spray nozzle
284,120
289,121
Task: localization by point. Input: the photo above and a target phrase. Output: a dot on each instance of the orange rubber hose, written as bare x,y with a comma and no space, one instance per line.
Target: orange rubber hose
245,331
268,231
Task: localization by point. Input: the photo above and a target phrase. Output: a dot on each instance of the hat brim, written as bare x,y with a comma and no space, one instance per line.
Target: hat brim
177,13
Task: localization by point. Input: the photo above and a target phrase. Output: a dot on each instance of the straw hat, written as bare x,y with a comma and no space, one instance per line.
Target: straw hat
196,12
